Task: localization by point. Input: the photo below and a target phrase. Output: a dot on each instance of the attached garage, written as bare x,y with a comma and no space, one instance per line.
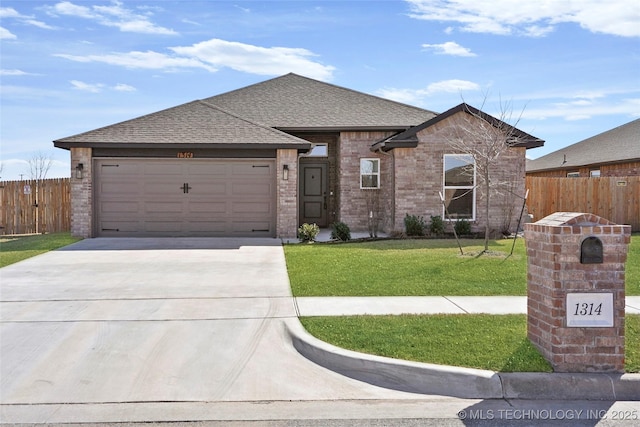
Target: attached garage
193,170
185,197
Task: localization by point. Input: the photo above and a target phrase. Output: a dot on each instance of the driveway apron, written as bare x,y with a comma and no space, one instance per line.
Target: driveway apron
157,320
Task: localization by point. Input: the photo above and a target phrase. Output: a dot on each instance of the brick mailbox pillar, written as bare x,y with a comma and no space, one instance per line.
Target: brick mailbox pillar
575,290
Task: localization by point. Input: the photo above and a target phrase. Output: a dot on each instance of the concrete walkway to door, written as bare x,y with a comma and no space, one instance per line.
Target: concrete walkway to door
156,320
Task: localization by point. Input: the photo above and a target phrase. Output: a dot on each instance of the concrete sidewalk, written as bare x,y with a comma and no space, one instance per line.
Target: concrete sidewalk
351,306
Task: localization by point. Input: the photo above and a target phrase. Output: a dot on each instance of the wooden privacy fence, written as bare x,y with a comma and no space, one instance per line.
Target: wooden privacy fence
35,207
614,198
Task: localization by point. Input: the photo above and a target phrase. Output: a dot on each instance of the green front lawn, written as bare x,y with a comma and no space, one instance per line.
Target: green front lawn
495,343
419,267
14,249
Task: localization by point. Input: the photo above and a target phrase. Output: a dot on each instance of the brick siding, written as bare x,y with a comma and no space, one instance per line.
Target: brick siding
81,194
287,198
554,269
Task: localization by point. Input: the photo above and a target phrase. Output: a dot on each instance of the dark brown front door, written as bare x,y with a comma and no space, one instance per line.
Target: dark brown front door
313,194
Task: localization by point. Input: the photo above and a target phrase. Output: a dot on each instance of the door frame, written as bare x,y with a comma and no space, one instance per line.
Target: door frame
324,164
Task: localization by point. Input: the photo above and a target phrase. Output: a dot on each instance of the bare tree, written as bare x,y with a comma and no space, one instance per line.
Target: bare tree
487,139
39,166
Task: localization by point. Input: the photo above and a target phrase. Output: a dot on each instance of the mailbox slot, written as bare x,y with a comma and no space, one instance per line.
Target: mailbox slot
591,251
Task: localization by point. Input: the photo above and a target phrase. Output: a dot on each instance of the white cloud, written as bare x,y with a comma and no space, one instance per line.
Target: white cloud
121,87
99,87
415,96
582,109
449,48
6,34
9,12
4,72
256,59
532,17
214,54
113,15
145,60
87,87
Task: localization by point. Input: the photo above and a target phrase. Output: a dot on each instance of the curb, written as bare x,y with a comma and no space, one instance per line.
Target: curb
466,383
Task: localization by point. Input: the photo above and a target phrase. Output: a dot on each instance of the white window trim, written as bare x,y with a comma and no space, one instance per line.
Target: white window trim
468,187
377,174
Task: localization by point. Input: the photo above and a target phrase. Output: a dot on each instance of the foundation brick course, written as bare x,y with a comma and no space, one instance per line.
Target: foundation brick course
555,270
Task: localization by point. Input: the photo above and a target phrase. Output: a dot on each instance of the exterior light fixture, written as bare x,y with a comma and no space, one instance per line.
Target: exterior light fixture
79,170
285,172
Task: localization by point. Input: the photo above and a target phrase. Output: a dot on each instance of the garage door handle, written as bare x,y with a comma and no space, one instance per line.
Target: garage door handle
185,188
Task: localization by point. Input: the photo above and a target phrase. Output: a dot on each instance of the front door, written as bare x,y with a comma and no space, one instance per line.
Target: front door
313,194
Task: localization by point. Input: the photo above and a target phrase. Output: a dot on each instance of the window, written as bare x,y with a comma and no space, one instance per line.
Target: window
318,150
369,173
573,174
595,173
460,186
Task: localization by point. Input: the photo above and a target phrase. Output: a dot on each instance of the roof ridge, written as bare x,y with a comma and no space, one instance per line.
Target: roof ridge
291,74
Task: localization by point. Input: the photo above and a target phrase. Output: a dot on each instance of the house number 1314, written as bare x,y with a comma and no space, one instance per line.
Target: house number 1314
585,309
589,310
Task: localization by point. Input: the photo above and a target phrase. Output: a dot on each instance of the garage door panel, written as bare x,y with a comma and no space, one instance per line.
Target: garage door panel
116,168
163,208
239,208
118,207
208,207
209,169
243,189
252,169
162,169
250,227
146,197
209,188
117,187
169,226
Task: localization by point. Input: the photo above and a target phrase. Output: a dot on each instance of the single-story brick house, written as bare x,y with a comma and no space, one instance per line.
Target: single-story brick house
263,159
615,152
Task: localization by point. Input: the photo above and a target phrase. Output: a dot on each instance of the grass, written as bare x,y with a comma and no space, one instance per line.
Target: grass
14,249
419,267
495,343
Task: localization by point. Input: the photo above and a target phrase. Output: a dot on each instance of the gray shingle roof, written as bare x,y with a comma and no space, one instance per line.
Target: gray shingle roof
196,122
409,137
293,102
252,115
620,144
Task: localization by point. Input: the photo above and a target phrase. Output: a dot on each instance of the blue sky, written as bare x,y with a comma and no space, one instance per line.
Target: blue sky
570,69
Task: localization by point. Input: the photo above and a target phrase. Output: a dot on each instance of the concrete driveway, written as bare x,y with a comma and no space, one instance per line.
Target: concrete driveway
158,320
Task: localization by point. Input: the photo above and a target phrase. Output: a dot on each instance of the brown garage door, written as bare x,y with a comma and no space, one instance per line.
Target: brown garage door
185,197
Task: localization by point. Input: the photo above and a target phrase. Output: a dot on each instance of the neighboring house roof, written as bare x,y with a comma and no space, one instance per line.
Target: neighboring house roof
196,122
254,115
292,102
409,137
621,144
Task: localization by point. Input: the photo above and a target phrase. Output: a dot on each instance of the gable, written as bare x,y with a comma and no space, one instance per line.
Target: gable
409,137
195,123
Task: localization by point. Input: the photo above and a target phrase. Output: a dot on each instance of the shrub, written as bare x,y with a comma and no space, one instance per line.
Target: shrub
437,225
308,232
340,231
462,227
414,225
